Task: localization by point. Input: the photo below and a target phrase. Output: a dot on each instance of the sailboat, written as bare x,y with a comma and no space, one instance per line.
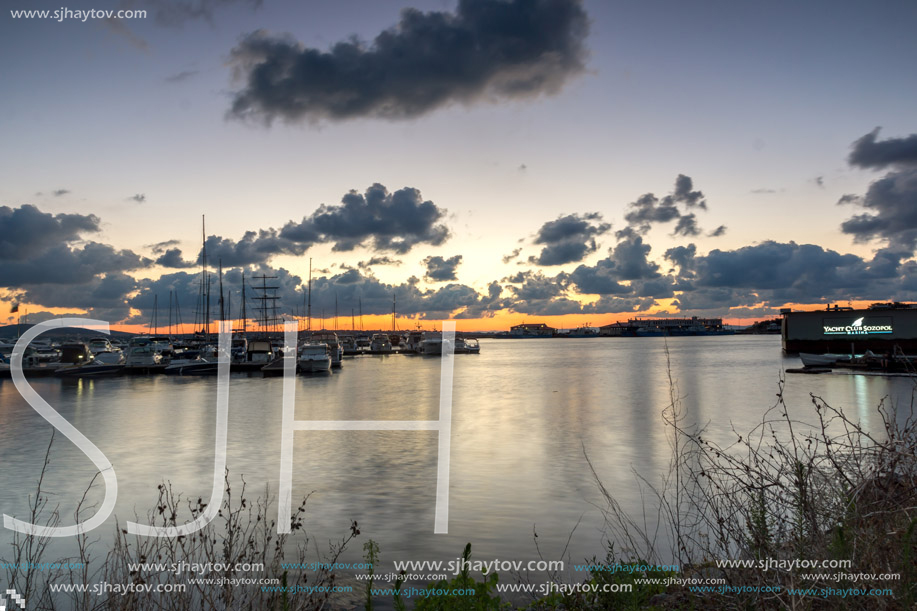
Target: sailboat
315,356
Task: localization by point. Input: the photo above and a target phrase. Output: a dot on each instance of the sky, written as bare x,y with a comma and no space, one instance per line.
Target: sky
491,161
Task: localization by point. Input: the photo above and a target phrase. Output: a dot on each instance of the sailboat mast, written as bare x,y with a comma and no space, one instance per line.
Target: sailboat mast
205,282
309,307
393,312
335,311
170,313
153,325
244,322
222,305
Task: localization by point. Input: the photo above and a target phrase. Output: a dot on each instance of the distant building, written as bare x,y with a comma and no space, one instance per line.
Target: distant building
882,327
532,330
658,327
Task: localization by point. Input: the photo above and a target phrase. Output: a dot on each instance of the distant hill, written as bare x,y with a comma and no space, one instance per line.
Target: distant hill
9,332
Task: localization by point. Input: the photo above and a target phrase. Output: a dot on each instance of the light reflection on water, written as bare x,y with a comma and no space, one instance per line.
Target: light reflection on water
523,413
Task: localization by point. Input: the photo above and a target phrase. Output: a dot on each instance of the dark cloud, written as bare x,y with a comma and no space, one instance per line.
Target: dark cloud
512,255
687,225
173,258
569,238
440,269
351,288
254,248
869,153
627,261
682,256
59,192
65,264
378,261
138,198
685,193
161,247
487,49
650,210
890,203
102,296
801,273
26,231
383,221
719,231
820,181
180,77
891,210
387,221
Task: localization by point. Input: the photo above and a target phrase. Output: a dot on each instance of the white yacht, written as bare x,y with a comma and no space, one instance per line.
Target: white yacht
330,338
314,357
141,352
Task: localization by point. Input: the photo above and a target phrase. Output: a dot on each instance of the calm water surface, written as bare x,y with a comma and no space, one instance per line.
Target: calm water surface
523,412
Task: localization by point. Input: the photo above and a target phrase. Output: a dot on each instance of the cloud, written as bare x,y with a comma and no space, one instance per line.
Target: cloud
378,261
627,261
890,203
383,221
719,231
687,225
180,77
486,50
387,221
139,198
102,296
685,193
65,264
512,255
60,192
569,238
820,181
869,153
255,247
160,247
763,191
26,231
649,210
441,270
173,258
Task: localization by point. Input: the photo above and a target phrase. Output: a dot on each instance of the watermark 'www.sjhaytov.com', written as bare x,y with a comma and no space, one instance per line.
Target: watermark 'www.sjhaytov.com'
443,426
67,14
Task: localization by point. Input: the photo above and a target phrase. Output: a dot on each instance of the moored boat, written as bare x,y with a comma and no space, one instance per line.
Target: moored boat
314,357
191,362
380,344
77,361
330,339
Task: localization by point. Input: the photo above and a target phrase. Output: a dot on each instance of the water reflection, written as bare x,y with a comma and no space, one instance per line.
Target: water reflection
523,413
